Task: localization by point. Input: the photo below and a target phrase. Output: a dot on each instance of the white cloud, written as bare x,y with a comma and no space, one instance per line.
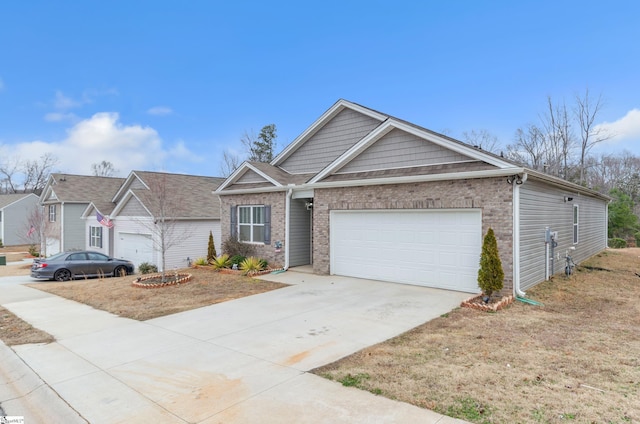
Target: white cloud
62,102
625,129
60,116
104,137
160,111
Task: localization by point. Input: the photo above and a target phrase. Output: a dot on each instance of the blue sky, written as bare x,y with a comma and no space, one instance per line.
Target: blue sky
171,85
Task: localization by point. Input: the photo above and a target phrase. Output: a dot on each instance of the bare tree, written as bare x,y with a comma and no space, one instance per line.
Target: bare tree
36,229
586,111
559,139
229,163
167,207
103,169
529,148
8,169
482,139
28,176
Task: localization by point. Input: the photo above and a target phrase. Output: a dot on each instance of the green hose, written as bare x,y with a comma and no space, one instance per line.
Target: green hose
280,271
529,301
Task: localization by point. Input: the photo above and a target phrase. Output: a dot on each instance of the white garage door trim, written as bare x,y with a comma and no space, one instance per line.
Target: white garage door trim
433,248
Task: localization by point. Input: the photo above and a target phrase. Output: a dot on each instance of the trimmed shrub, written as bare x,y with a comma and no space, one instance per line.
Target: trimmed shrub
33,251
233,247
490,274
617,243
211,249
147,268
237,259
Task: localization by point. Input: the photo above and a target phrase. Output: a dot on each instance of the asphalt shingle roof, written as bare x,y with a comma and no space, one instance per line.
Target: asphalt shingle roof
86,188
191,195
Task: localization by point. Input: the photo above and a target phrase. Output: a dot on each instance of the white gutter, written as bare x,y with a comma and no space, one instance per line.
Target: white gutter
516,237
287,213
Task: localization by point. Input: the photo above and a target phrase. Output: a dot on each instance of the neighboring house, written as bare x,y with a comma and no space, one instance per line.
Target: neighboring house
65,197
363,194
152,207
15,212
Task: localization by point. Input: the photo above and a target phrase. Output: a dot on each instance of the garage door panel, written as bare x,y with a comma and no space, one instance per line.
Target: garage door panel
431,248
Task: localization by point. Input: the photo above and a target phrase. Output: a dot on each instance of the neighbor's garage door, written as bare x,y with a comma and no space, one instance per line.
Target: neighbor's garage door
137,248
428,248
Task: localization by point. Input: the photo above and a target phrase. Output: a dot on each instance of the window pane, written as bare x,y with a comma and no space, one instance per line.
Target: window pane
245,233
245,215
258,234
258,215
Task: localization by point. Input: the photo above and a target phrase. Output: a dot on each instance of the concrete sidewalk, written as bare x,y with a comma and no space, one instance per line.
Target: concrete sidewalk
242,361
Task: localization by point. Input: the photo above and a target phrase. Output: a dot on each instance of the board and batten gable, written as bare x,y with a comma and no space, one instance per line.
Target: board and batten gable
543,205
399,149
329,142
133,207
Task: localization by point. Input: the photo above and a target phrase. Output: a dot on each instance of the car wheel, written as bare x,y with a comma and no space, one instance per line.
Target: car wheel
120,271
62,275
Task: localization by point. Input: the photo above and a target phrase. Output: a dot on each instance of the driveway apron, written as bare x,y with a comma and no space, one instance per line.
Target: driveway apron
242,361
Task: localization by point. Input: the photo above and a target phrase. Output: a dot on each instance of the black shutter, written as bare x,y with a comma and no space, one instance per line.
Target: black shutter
101,234
267,224
234,222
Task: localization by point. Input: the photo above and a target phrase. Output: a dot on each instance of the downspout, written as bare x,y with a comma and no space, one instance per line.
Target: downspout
62,249
516,235
287,213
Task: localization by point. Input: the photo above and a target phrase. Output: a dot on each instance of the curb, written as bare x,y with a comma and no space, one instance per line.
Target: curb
24,394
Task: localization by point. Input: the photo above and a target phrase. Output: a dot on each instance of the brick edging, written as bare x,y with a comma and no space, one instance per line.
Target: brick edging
184,278
493,307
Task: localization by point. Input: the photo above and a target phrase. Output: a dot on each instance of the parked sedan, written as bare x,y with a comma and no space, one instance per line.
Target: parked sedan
68,265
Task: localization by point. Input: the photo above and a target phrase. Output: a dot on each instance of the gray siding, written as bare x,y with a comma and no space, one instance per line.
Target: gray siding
542,206
74,226
399,149
329,142
15,221
15,226
133,208
300,234
250,177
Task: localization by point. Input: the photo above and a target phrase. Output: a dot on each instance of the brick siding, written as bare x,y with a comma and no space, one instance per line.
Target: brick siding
493,196
277,203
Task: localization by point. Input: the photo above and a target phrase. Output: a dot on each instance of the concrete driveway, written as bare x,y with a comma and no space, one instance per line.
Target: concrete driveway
243,361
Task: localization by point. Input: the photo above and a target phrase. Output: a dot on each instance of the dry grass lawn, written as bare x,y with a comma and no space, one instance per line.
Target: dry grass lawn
574,360
116,295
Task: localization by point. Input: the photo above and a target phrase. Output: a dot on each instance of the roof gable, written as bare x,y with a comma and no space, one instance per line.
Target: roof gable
337,130
399,149
406,138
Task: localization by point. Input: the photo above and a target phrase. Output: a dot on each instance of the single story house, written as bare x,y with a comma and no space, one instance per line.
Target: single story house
152,214
364,194
16,211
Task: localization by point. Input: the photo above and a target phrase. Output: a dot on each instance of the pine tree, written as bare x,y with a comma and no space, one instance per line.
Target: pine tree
490,274
211,250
